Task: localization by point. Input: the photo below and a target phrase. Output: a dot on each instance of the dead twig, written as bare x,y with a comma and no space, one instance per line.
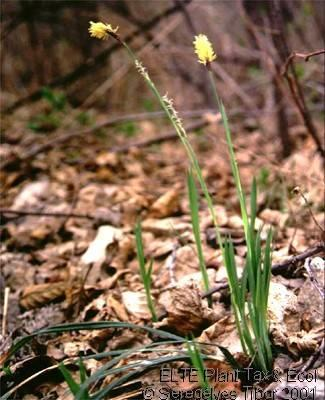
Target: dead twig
310,265
298,97
159,138
297,190
318,248
319,354
305,56
5,311
67,136
278,267
4,211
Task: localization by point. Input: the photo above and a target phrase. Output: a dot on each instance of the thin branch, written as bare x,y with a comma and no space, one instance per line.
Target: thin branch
4,211
5,311
299,191
313,277
305,56
67,136
298,96
159,138
284,265
319,354
278,267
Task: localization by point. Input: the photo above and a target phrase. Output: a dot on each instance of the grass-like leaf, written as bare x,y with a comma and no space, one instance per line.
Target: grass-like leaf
144,272
73,385
196,359
194,207
78,326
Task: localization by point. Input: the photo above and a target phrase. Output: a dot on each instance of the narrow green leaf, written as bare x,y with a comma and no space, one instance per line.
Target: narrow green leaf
194,207
82,371
73,385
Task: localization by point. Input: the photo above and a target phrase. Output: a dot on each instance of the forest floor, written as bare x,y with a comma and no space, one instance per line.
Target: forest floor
74,260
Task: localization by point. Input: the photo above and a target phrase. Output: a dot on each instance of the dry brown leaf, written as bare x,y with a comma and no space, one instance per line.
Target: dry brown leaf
235,222
196,279
110,282
159,248
125,250
206,220
311,304
223,333
107,158
285,322
167,204
274,217
96,310
181,262
41,232
165,226
118,308
30,397
223,367
76,347
281,302
304,342
38,295
186,311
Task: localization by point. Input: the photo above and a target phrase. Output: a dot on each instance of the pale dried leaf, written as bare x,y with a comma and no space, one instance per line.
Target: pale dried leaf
96,252
136,304
31,194
107,158
165,226
274,217
167,204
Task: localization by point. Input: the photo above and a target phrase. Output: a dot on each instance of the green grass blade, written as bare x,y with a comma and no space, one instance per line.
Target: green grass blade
253,203
194,207
197,362
140,251
87,326
145,274
73,385
148,293
82,371
149,364
267,266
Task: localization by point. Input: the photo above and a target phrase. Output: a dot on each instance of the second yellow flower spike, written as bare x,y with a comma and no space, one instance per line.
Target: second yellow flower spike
204,50
100,30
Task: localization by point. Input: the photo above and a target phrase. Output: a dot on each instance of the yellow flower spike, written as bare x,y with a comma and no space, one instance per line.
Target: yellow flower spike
204,50
100,30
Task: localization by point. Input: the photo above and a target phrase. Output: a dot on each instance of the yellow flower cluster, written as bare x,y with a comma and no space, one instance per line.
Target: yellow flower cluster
204,50
100,30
